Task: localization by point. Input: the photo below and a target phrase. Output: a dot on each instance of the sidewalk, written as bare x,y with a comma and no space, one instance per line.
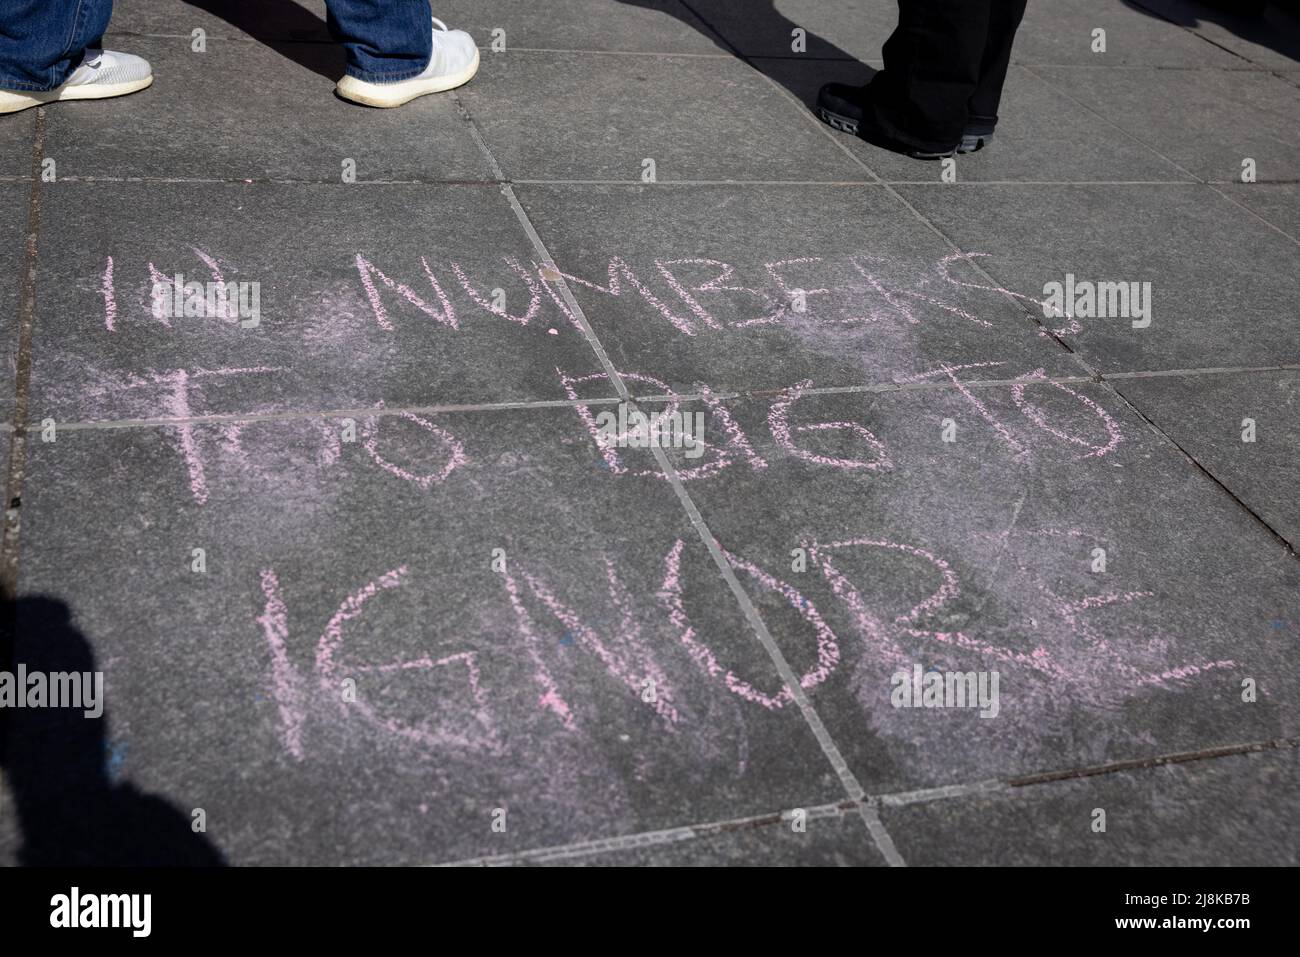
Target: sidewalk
433,621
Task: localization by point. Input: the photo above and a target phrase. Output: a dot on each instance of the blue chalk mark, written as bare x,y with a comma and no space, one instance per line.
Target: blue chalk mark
567,639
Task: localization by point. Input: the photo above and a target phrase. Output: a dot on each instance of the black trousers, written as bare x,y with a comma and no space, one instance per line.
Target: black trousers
944,67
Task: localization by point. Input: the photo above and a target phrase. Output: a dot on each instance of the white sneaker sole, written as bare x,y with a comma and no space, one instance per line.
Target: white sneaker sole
385,95
12,101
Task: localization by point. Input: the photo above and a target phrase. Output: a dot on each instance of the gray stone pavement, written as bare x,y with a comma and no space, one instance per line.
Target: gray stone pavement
672,659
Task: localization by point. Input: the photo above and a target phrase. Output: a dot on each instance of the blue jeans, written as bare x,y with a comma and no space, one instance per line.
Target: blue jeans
42,41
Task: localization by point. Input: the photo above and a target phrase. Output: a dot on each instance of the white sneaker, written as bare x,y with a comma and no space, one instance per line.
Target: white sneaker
454,63
101,73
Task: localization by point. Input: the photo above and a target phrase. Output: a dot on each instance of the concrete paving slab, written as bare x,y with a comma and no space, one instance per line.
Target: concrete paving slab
1053,32
1222,283
832,29
1277,203
341,675
568,689
1207,121
1035,120
1061,32
835,839
543,119
275,20
1240,810
1271,40
1208,417
14,199
17,132
642,26
876,306
650,26
1122,598
347,315
246,110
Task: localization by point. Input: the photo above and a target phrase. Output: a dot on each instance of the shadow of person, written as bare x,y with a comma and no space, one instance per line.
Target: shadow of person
1270,24
762,39
290,30
69,810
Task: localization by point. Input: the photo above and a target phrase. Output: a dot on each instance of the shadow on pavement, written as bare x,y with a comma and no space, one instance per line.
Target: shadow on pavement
283,18
1275,25
801,74
71,812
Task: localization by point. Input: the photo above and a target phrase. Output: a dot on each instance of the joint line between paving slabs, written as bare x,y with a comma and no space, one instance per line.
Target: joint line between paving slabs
936,385
1104,382
9,541
1151,11
658,184
801,107
893,799
1213,187
1277,536
850,782
1159,761
1210,185
832,752
641,839
1096,375
1036,322
1290,550
1111,123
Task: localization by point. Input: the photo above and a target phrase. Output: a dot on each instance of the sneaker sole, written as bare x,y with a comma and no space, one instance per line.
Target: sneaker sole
388,95
842,123
13,101
970,142
974,142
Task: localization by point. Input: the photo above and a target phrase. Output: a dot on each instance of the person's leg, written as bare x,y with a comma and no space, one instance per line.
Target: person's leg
933,63
942,81
385,40
43,41
1004,20
50,51
397,50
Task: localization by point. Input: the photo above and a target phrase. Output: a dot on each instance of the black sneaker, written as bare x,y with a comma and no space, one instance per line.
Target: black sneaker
844,108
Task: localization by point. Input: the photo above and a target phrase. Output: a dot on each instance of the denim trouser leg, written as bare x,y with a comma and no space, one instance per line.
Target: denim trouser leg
42,41
386,40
